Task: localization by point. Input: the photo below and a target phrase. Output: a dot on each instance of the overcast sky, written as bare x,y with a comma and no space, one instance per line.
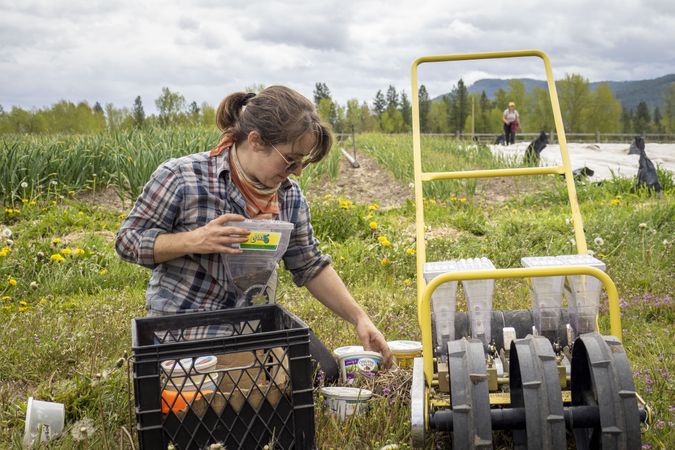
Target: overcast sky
112,51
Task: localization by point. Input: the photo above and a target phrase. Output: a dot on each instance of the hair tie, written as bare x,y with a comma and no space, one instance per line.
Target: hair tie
247,97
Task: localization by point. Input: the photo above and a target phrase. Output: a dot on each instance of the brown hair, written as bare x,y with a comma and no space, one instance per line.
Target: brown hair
279,114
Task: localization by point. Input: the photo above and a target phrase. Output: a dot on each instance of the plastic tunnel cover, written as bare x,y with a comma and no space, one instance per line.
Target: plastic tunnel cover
472,423
602,377
535,386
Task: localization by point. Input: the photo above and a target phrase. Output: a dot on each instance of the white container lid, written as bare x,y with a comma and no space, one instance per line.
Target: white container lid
361,353
346,393
405,347
348,349
178,368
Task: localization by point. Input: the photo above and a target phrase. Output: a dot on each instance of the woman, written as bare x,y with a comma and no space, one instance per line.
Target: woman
511,121
176,227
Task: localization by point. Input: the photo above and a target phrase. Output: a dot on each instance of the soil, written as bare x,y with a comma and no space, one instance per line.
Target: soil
363,185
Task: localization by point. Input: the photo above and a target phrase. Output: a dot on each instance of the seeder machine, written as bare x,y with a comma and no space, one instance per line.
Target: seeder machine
537,373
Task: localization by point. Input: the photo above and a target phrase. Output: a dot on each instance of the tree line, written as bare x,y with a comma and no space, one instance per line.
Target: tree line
458,112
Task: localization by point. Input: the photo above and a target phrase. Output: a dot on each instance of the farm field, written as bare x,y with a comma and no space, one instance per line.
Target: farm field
66,299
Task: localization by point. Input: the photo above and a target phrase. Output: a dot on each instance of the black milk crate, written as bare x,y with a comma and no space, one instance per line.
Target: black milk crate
259,392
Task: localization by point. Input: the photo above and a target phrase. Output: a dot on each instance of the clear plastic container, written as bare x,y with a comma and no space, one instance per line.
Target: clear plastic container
583,293
546,295
443,301
251,271
479,297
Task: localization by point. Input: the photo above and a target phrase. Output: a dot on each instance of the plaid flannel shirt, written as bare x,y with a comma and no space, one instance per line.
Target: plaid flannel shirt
187,193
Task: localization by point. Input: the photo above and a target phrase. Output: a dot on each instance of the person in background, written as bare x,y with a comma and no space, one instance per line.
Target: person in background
511,120
177,226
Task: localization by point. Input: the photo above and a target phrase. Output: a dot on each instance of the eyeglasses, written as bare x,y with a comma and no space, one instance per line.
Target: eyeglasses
292,165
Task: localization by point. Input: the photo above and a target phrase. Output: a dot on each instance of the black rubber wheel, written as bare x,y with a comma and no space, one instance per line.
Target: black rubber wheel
472,423
602,377
535,386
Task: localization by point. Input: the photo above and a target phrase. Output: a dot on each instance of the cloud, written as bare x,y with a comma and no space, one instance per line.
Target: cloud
113,51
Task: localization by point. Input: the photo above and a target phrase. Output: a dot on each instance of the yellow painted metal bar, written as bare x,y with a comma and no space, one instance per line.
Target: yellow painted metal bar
520,171
424,306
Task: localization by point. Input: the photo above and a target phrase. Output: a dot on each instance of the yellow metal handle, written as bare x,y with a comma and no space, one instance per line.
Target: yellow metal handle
424,306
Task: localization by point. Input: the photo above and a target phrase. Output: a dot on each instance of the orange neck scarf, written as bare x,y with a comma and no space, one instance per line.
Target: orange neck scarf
259,198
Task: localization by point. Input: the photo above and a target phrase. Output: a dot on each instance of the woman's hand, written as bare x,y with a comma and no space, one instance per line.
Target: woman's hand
373,340
215,237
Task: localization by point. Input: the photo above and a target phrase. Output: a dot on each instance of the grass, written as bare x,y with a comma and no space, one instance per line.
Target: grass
66,300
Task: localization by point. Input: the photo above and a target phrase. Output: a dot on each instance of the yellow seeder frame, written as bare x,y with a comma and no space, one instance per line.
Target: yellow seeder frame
424,291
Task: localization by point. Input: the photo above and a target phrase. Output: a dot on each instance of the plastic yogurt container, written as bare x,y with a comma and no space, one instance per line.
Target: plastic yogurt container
405,352
187,380
346,401
354,360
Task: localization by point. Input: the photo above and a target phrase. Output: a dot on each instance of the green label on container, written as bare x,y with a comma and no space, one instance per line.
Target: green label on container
262,240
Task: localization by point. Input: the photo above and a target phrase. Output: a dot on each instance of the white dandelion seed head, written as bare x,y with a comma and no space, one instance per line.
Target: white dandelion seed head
6,233
642,226
9,242
599,241
24,184
573,241
83,429
591,252
568,221
53,182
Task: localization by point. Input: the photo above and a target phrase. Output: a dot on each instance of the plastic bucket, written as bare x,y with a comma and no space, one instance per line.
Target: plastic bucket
405,352
355,361
188,380
43,418
346,401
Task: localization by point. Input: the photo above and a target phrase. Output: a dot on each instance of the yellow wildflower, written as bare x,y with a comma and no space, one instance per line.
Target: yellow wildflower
411,251
6,298
57,258
615,201
32,203
385,262
103,271
432,201
384,241
5,251
373,207
369,216
78,252
56,241
11,281
453,198
407,282
373,225
346,204
23,303
66,251
462,200
327,196
23,308
123,216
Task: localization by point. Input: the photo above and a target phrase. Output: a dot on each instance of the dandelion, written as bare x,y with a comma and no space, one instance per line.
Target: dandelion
407,282
373,225
369,216
384,241
615,201
346,204
573,241
568,221
327,196
82,429
385,262
598,241
78,252
410,251
462,200
9,242
453,199
57,258
53,182
24,184
6,233
665,242
103,271
11,281
601,255
23,303
123,216
56,241
373,206
642,226
66,251
591,252
432,201
4,252
33,285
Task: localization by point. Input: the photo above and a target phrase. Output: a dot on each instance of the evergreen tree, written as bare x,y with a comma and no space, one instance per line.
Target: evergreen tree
138,114
193,111
462,106
424,107
483,122
642,118
379,104
406,112
669,111
321,92
658,125
98,108
392,98
627,120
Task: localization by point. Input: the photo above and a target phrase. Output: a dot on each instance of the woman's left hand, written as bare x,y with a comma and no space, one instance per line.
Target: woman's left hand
373,340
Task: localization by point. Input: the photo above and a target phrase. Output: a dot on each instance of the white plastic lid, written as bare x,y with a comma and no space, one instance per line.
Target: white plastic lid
404,347
581,260
201,364
346,393
340,351
361,354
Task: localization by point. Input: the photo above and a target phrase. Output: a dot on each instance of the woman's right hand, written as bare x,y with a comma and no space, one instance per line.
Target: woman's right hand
216,237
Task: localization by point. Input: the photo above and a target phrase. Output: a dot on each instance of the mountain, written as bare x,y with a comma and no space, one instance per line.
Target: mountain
629,93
